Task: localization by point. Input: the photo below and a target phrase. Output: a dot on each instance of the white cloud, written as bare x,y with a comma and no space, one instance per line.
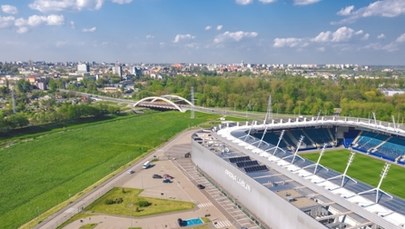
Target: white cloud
150,36
207,28
346,11
54,19
340,35
89,30
305,2
234,36
183,37
244,2
36,20
22,30
401,38
267,1
323,37
6,22
381,36
390,47
9,9
219,27
57,5
122,1
382,8
20,22
287,42
23,25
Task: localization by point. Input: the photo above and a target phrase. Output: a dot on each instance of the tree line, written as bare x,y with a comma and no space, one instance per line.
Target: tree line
290,94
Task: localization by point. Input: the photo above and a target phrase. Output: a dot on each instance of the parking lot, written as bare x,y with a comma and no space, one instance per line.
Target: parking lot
182,187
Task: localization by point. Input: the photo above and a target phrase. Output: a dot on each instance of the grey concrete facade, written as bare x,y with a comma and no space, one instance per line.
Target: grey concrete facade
266,205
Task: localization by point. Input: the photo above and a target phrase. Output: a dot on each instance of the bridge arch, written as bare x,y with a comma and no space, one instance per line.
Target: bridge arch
165,98
179,98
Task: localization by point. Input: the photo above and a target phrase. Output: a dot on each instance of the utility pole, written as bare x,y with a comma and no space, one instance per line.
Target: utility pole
269,113
192,101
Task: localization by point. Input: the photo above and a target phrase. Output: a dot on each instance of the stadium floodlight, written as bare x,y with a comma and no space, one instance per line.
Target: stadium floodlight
278,144
248,133
378,190
296,151
261,139
317,164
344,175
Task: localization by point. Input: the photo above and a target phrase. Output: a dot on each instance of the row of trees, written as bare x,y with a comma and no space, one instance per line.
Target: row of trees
290,94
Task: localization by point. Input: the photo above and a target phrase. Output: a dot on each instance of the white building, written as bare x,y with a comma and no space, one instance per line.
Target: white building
83,68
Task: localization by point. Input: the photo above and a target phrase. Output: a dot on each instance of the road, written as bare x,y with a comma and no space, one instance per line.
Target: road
61,216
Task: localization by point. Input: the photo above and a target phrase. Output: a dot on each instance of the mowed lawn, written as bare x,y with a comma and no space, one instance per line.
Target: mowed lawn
129,205
40,173
364,168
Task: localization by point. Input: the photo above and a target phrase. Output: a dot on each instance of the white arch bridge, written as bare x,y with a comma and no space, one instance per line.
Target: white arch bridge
165,102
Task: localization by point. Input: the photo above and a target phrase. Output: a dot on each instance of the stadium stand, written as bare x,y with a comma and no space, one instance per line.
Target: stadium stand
392,150
321,135
349,137
368,141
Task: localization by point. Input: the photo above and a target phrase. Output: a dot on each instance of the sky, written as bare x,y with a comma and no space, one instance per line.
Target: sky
204,31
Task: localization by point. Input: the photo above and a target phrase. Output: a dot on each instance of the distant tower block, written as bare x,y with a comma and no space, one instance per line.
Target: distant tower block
83,68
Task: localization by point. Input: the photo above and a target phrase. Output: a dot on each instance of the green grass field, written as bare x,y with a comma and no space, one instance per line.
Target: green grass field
40,171
129,205
364,168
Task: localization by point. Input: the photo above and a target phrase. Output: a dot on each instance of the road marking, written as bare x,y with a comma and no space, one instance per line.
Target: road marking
205,205
222,224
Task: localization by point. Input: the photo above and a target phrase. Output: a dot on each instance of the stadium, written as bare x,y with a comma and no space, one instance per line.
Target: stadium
261,167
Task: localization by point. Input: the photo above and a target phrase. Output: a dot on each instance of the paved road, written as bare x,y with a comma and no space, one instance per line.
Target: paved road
75,207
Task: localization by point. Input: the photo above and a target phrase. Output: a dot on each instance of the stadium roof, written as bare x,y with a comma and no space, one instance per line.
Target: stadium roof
391,211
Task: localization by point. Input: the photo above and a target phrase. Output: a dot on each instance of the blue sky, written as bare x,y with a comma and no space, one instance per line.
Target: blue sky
204,31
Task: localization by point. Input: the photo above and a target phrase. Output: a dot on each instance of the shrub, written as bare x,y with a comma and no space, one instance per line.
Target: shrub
109,201
113,201
144,203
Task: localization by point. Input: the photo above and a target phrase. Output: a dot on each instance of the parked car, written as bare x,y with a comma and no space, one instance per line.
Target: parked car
200,186
167,181
157,176
167,176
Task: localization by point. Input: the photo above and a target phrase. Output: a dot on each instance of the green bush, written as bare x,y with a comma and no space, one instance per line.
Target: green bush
144,203
113,201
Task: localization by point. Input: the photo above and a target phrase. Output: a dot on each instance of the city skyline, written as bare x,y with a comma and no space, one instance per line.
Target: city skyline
209,31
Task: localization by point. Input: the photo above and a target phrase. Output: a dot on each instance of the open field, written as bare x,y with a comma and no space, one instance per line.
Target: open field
364,168
41,171
130,207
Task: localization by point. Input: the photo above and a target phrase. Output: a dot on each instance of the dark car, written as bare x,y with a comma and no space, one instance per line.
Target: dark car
200,186
157,176
167,181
